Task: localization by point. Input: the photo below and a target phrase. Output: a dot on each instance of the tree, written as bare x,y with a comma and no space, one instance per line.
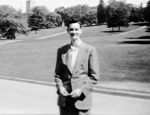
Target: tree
136,13
37,18
73,12
85,9
61,12
11,22
147,12
77,12
83,13
53,20
101,15
11,26
34,22
20,14
141,13
7,11
117,14
90,16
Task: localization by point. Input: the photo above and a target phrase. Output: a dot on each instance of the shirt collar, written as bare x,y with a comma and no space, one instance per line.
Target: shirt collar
76,44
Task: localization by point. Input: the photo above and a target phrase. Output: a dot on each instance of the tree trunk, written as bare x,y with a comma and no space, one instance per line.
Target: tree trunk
119,28
112,29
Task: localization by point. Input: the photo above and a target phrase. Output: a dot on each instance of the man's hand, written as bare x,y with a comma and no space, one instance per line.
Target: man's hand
76,93
63,91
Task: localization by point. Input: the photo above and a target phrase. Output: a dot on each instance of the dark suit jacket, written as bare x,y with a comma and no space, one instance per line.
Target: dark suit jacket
84,74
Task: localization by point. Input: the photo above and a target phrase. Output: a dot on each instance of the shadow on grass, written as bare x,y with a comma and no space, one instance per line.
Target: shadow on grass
3,39
142,37
148,29
144,40
136,42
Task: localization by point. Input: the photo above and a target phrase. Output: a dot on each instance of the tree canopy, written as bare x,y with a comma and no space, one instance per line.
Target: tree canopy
11,22
147,12
84,13
117,14
101,12
41,18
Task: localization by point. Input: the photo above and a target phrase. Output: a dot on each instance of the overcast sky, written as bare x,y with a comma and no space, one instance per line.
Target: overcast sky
52,4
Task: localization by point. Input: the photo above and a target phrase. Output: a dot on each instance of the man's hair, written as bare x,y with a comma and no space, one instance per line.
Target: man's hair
71,21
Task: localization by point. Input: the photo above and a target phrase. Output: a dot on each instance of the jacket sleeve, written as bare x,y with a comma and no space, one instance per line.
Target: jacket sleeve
93,72
58,70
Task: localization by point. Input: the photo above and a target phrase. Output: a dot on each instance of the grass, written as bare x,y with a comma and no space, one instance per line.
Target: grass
121,57
41,33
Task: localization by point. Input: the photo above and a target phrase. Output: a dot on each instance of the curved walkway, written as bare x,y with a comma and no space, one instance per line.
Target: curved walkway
28,98
57,34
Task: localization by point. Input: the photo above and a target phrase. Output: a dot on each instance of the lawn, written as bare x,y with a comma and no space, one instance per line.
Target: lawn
122,57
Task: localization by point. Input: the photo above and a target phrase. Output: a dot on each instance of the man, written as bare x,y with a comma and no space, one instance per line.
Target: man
76,71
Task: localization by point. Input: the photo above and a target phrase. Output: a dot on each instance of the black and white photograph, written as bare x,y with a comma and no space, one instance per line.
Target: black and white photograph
75,57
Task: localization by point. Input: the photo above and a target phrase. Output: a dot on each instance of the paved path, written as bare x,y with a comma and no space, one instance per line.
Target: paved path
60,33
6,42
27,98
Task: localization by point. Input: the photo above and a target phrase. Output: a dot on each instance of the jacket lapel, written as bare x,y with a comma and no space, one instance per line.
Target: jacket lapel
79,57
65,57
65,54
68,61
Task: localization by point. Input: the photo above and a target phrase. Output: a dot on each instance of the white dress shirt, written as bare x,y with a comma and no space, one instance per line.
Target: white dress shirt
73,52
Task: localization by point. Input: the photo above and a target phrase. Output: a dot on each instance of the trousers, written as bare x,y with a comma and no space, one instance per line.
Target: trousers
70,109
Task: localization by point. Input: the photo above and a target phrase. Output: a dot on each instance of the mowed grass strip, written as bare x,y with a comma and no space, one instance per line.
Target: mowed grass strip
40,33
119,60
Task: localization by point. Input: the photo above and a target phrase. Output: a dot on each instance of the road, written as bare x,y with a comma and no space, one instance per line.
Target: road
27,98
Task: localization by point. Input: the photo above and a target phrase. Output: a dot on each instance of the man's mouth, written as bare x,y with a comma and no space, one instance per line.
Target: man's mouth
72,34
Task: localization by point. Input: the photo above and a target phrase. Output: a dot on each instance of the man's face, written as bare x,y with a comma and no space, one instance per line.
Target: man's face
74,31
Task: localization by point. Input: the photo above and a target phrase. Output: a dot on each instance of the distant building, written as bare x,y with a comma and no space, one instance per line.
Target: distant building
28,7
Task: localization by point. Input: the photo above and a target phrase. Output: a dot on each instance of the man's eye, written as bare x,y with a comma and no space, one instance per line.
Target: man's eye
71,29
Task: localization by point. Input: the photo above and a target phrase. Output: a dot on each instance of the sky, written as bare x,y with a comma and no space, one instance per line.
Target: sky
52,4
